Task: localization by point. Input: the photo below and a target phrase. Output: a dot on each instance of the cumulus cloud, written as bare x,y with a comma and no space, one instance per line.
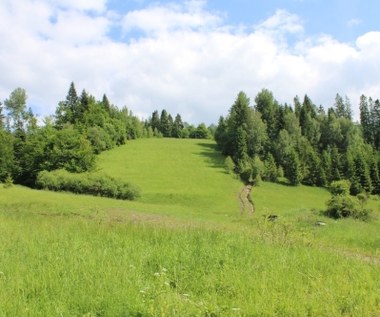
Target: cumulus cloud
177,56
173,17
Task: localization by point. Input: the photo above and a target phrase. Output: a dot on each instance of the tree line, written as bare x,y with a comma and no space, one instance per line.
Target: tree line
81,128
303,143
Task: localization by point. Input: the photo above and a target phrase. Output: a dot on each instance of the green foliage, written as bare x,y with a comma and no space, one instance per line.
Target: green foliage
16,107
201,132
312,147
292,168
270,169
8,182
341,187
229,165
344,206
6,154
72,151
91,184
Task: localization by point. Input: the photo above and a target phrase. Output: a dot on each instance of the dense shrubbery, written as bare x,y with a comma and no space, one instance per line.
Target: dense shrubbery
342,205
87,183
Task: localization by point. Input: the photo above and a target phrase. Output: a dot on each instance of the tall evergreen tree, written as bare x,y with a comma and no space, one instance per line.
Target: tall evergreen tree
155,121
292,168
240,152
165,124
339,106
2,117
362,173
106,103
365,119
66,111
375,115
268,107
177,127
6,155
374,172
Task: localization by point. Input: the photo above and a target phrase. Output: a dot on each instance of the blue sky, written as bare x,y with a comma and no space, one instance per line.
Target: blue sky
190,57
343,19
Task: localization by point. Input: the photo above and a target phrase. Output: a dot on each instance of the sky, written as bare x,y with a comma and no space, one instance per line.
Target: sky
189,57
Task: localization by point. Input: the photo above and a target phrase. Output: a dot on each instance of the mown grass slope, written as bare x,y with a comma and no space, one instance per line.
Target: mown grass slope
187,176
183,249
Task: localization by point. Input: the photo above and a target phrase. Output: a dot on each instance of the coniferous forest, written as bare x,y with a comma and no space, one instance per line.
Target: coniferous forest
303,142
299,143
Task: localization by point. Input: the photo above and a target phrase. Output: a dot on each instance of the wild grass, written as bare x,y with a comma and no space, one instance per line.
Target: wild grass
183,249
75,266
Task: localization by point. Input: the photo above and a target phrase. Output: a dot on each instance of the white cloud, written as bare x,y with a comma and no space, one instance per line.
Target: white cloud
187,60
158,18
282,21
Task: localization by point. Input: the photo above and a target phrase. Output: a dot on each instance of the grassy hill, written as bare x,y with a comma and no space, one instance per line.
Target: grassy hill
183,249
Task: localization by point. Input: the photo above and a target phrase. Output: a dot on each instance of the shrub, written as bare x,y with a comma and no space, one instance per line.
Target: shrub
87,183
8,183
343,206
341,187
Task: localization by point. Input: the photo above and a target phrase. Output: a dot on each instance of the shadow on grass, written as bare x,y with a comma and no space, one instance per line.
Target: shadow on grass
213,156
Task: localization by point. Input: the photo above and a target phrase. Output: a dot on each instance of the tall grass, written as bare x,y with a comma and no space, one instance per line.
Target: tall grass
70,266
183,249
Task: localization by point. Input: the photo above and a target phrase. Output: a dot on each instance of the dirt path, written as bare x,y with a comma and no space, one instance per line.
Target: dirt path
246,200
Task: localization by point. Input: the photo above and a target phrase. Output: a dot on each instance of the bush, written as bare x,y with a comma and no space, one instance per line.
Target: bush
341,187
229,165
8,183
87,183
343,206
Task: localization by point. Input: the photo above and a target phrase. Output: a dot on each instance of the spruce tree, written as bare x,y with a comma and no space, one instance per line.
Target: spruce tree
2,117
374,173
177,127
155,121
365,120
292,168
362,173
165,124
375,116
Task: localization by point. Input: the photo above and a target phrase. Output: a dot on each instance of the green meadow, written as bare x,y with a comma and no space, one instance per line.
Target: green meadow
183,248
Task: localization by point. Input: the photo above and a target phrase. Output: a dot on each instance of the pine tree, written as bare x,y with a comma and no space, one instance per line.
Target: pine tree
268,107
348,108
375,116
177,127
374,173
339,106
106,104
362,173
240,152
2,117
155,121
239,112
165,124
66,111
270,172
365,120
336,165
292,168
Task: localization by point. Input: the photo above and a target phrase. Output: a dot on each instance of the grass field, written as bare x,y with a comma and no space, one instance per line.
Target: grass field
183,249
